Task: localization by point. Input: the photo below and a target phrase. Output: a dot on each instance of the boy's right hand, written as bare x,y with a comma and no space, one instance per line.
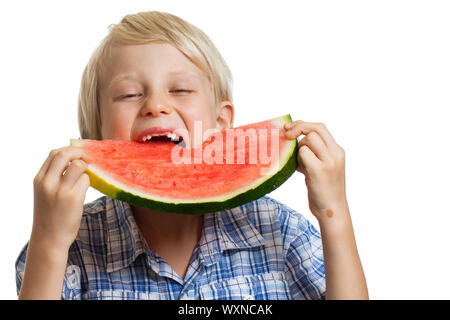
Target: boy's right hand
59,192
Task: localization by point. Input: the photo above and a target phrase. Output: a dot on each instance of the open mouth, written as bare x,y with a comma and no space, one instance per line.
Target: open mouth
168,137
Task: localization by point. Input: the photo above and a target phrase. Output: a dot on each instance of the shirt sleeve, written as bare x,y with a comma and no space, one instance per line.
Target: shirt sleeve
20,268
71,289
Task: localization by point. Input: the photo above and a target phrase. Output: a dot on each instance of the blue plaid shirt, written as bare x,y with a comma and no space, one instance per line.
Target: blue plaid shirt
261,250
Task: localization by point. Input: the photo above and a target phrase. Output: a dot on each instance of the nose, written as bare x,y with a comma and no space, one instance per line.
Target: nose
156,107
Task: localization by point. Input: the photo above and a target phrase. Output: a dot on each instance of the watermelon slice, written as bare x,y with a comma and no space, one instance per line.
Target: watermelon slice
233,171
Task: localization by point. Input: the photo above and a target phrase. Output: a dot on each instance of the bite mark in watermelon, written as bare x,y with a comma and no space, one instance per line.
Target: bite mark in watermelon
144,174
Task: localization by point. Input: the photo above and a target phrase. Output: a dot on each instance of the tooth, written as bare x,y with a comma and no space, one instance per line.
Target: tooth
148,137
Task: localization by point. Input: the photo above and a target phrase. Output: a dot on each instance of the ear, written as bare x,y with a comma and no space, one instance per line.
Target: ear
225,115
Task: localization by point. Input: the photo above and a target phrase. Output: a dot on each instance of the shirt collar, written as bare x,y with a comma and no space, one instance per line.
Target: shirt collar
222,230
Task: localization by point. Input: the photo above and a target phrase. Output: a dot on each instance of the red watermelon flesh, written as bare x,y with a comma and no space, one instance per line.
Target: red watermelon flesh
145,174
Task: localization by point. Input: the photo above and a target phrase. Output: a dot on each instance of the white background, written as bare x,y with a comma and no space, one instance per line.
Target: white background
377,73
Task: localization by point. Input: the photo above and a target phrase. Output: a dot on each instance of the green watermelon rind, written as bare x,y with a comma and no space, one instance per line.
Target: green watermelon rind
249,195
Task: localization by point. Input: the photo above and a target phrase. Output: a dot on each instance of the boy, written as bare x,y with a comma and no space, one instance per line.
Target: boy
154,70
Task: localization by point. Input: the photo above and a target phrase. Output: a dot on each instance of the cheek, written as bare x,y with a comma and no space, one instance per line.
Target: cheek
207,122
203,114
200,110
117,125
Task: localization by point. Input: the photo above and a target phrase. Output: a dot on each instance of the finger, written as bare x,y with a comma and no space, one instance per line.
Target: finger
298,127
74,171
307,158
82,184
316,145
301,167
45,166
61,160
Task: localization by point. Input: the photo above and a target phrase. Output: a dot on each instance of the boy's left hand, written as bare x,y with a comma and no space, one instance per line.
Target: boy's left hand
322,161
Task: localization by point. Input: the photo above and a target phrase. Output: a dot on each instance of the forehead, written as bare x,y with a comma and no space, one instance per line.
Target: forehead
150,60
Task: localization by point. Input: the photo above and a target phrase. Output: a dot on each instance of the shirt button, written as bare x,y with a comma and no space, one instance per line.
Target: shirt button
249,297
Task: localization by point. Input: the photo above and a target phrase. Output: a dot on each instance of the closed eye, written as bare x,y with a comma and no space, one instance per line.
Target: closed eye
131,95
181,90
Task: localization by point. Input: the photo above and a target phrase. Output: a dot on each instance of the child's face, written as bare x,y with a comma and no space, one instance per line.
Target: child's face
156,86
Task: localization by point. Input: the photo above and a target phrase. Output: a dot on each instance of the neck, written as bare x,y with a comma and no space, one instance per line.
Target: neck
172,227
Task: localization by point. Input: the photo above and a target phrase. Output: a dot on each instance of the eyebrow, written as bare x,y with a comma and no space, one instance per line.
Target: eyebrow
127,76
123,76
184,73
174,73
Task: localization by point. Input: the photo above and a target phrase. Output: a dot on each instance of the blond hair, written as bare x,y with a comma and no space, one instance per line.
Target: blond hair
141,28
